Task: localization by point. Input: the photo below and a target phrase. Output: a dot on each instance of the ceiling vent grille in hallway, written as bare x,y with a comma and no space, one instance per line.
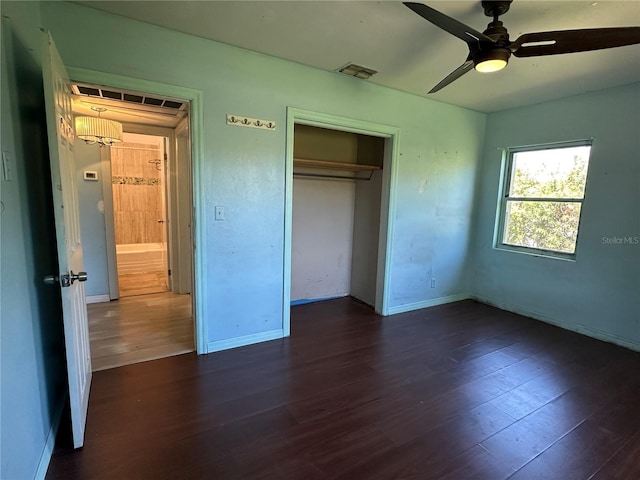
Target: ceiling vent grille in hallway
125,96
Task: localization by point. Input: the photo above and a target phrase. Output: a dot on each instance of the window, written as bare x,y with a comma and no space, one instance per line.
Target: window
542,199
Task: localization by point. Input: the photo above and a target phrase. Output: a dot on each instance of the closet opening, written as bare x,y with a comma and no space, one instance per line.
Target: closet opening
338,184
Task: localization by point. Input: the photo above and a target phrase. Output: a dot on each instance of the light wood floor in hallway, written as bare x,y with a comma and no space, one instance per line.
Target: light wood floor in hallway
138,329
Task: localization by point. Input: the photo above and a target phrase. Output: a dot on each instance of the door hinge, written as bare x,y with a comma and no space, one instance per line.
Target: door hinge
169,272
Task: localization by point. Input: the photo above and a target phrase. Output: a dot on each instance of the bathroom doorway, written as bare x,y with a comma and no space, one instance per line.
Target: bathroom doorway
138,181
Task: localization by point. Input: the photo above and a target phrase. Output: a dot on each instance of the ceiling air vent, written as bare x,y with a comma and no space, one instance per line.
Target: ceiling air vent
130,97
357,71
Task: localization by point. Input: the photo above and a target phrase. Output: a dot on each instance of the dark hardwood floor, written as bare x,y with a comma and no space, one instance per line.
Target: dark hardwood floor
457,391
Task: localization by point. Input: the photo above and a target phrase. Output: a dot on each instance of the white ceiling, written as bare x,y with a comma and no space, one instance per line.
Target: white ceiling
409,53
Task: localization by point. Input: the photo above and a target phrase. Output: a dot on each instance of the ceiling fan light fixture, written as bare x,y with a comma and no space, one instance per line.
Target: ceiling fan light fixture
490,50
491,65
492,61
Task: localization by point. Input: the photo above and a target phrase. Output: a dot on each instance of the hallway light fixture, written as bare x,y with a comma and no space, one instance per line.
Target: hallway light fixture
98,130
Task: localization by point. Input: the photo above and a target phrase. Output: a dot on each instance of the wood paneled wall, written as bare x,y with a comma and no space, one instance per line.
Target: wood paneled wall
137,193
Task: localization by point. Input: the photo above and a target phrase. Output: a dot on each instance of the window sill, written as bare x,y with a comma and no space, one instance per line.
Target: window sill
567,257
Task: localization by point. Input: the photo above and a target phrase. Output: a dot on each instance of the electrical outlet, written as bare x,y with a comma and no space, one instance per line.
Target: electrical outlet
433,283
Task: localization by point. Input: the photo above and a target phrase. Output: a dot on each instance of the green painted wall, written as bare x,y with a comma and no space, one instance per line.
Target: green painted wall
33,380
599,293
244,169
92,225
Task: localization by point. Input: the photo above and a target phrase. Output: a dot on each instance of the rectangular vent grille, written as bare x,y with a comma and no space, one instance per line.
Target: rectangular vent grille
130,97
357,71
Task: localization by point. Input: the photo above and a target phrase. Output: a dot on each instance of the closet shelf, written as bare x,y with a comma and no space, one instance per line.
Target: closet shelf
353,167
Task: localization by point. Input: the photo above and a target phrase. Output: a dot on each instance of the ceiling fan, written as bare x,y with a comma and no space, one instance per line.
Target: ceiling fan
490,50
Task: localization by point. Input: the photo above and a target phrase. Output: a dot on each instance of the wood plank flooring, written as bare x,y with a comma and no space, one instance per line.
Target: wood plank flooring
452,392
139,329
145,283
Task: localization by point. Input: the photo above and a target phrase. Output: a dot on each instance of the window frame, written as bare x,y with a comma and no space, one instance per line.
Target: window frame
504,199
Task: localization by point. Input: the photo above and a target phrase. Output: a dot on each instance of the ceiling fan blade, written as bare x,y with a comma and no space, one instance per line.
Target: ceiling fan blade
451,25
453,76
569,41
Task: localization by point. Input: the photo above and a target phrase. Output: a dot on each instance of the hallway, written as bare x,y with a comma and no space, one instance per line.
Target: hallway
139,328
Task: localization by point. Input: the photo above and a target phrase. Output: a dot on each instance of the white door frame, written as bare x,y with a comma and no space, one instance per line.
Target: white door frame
109,223
387,206
194,97
183,263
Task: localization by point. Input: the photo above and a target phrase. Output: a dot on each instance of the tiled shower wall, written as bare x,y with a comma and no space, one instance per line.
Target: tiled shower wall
137,193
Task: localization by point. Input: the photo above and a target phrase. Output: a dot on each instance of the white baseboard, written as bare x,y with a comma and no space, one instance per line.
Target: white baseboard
50,443
427,303
244,340
574,327
98,298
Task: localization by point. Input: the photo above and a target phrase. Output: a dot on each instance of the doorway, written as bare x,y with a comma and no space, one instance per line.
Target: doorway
368,221
138,181
337,187
147,207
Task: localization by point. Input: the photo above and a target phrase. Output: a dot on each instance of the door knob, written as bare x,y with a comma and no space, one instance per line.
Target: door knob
80,276
66,279
161,221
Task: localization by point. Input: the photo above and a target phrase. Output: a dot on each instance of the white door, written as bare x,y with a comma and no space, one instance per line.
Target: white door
57,89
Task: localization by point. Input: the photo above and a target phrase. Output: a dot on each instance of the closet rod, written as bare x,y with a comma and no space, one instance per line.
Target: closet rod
326,175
